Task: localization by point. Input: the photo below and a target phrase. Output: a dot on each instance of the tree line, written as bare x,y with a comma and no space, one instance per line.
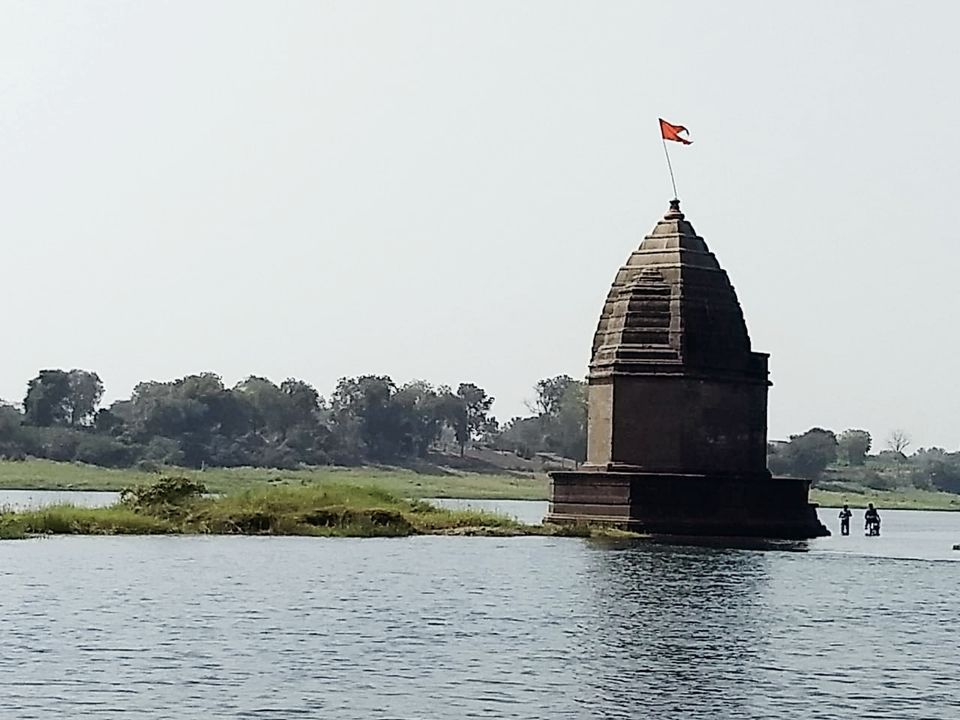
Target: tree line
197,421
843,460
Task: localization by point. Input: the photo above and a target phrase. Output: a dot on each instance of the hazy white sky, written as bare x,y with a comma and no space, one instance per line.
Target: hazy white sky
445,190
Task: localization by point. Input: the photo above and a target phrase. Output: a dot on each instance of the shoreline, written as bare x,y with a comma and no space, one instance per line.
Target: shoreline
888,501
180,506
925,500
399,481
46,475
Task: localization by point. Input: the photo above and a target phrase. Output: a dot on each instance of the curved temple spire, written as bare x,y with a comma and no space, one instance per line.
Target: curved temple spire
672,308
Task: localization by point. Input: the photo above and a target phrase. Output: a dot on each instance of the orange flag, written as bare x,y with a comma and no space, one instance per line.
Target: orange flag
672,132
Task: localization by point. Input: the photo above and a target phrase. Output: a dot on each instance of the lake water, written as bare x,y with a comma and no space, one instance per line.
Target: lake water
454,627
30,499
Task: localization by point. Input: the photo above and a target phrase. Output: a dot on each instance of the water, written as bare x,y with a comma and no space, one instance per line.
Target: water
907,534
31,499
527,511
452,627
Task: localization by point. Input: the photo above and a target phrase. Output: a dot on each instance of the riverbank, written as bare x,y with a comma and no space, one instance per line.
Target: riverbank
906,499
179,506
400,482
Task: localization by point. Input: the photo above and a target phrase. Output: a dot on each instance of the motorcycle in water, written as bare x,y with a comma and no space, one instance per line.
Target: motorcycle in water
873,528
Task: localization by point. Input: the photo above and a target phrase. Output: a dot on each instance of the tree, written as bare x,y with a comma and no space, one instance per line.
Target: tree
268,403
58,397
209,423
471,413
307,432
108,422
560,425
279,410
550,393
778,458
809,454
10,420
161,408
346,446
305,403
936,469
417,406
47,400
853,446
366,405
898,441
568,429
86,389
523,436
11,441
103,450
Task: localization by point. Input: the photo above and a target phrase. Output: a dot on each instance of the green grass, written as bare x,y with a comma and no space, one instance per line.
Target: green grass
72,520
901,499
329,509
319,510
398,482
48,475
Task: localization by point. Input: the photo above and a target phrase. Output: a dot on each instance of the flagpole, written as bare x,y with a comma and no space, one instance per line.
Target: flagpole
669,167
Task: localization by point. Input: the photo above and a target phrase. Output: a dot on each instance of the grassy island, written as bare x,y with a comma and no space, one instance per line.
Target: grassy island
181,506
400,484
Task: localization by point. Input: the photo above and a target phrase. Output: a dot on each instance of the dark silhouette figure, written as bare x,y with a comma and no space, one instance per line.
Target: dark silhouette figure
845,516
871,520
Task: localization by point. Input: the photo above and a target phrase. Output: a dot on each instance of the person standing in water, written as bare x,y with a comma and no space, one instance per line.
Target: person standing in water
871,520
845,516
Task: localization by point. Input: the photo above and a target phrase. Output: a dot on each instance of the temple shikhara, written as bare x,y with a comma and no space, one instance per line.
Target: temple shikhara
677,424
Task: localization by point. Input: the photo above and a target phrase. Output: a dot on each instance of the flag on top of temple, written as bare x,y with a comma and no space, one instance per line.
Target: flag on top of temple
672,132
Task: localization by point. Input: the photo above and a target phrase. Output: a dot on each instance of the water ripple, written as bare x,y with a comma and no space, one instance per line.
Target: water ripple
273,628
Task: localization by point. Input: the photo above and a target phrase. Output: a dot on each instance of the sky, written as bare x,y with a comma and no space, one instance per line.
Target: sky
445,191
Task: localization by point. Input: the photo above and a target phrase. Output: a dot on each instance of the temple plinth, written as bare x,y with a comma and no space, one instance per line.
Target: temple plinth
677,419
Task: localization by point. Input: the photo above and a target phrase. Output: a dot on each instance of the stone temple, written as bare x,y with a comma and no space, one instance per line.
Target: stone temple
677,422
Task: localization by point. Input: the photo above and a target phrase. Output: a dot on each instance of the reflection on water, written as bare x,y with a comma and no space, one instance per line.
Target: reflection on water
744,634
673,629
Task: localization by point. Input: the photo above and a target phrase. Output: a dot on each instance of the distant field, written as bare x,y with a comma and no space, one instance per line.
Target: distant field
911,499
908,499
48,475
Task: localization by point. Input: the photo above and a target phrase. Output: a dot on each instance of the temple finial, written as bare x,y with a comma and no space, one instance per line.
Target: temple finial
674,212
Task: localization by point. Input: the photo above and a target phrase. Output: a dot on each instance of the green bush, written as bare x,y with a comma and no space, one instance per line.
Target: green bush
104,451
165,493
876,481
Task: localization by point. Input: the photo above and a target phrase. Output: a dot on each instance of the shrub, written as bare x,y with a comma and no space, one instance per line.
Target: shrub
103,451
165,494
163,451
876,481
